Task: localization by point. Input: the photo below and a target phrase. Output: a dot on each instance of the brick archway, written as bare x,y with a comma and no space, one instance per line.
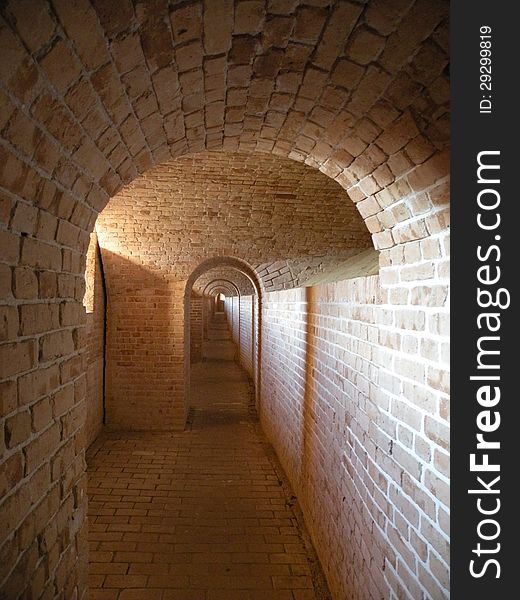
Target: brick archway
246,270
229,289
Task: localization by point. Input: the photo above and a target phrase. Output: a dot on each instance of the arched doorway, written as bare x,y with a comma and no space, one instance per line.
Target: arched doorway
248,343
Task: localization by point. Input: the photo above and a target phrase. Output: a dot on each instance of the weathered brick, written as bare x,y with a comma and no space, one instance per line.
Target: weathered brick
8,397
38,318
33,22
24,218
309,23
337,30
218,23
189,56
63,400
37,384
398,134
9,247
42,447
429,295
60,65
17,358
40,255
249,17
17,429
9,323
347,74
365,46
384,16
55,345
429,172
420,21
41,414
12,473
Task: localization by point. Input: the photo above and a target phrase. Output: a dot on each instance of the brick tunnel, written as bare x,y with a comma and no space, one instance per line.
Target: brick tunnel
224,274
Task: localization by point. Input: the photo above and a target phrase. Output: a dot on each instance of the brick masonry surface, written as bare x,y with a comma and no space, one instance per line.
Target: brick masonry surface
247,334
93,96
360,431
203,515
155,233
354,408
196,334
258,208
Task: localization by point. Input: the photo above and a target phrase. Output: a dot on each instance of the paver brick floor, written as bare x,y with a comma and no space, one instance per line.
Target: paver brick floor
197,515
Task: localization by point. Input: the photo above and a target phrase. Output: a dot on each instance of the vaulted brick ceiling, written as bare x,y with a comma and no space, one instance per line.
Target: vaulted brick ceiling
98,91
287,220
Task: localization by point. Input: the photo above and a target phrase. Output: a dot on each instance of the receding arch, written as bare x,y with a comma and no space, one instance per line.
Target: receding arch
222,285
246,269
225,261
260,210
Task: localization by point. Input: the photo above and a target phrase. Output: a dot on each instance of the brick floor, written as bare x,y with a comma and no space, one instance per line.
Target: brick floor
200,515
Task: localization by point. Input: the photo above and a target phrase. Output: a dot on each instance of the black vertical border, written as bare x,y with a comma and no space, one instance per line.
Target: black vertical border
472,133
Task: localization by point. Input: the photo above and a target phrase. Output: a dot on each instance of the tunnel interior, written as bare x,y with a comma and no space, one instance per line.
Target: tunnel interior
286,161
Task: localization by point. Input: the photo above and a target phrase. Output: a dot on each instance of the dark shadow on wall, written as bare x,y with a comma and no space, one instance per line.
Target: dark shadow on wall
309,395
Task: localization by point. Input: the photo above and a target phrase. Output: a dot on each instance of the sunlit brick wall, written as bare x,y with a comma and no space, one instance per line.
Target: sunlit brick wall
354,401
247,324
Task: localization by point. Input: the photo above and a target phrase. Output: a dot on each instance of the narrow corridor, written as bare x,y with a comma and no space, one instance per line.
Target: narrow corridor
286,162
200,515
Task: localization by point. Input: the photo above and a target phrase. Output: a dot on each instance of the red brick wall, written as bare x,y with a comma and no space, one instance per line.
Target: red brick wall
228,309
247,333
352,406
240,315
196,303
145,353
94,303
235,325
207,312
43,386
232,310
